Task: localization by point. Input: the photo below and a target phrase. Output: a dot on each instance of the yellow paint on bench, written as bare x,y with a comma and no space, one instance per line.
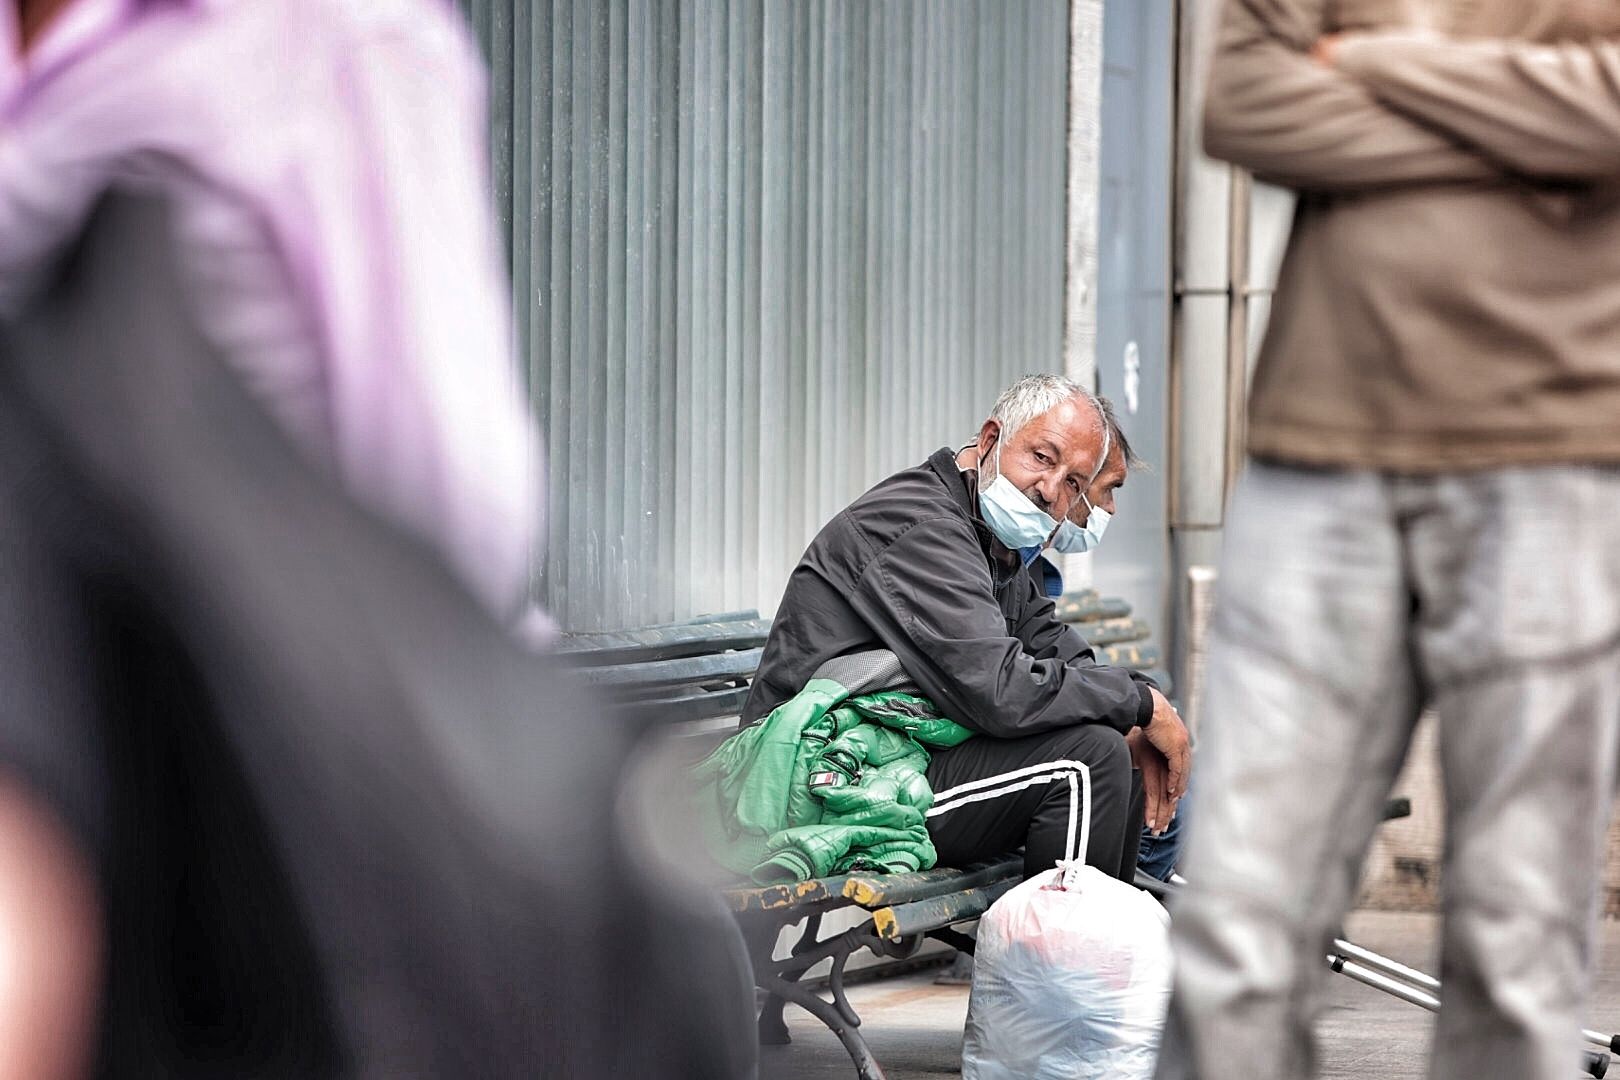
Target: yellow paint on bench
864,891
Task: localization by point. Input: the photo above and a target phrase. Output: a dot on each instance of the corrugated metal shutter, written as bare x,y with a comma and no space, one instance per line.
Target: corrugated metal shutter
763,254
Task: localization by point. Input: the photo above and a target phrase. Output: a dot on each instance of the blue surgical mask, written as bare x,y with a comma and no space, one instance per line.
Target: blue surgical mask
1072,539
1017,522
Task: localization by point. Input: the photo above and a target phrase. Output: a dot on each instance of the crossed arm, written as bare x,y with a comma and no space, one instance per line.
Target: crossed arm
1397,108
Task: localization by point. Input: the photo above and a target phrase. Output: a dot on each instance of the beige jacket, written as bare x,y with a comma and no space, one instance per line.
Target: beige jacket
1451,293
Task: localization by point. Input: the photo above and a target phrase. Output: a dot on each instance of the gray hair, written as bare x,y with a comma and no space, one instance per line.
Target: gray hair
1117,431
1036,395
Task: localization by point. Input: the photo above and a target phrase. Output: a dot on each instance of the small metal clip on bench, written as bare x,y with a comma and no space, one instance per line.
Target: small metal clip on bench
697,673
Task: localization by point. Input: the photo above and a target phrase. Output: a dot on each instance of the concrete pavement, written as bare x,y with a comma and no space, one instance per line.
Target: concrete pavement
915,1027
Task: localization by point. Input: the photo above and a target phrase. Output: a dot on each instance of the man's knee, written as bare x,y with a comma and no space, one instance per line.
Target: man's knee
1101,748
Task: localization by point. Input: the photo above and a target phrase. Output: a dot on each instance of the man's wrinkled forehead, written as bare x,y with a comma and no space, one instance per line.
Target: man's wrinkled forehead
1079,427
1114,467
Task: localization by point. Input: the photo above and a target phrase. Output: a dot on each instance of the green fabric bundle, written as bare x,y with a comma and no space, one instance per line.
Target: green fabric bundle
826,784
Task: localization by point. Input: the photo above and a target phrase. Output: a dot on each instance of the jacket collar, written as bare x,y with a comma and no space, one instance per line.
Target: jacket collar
964,496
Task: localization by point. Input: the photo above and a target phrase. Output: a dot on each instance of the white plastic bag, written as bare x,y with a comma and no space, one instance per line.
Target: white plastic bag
1071,981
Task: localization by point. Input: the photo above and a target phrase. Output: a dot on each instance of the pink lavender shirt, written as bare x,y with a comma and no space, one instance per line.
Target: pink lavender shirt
327,160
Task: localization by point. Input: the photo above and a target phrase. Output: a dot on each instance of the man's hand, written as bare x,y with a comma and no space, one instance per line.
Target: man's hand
1159,808
1164,754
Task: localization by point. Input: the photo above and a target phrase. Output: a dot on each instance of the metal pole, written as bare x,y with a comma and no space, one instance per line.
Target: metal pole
1082,190
1352,951
1394,987
1376,970
1083,155
1594,1064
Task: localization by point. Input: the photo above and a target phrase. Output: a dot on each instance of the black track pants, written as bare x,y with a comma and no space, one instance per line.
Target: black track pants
1055,794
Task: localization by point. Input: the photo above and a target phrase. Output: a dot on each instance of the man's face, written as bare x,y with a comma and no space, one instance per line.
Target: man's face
1102,489
1050,459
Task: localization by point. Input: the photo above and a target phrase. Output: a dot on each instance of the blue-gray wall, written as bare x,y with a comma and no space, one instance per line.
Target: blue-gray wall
1134,207
763,254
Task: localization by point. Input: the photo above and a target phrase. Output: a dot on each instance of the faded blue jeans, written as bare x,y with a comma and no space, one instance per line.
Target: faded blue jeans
1158,856
1349,601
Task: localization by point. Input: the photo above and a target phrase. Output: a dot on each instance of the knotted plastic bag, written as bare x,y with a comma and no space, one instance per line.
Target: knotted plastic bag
1071,981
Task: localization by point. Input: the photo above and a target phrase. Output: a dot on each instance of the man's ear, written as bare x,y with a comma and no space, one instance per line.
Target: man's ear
988,434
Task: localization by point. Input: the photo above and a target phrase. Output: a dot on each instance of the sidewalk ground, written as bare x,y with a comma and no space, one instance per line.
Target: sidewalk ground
915,1027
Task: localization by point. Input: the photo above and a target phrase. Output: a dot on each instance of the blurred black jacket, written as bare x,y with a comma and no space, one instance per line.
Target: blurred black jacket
342,825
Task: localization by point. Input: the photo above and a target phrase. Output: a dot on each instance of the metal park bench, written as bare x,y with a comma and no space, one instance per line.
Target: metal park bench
696,674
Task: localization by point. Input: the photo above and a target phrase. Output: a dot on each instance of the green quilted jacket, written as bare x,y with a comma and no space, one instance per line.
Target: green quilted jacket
830,781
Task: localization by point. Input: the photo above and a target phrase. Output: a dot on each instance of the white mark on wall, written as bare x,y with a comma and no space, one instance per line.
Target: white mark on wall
1133,377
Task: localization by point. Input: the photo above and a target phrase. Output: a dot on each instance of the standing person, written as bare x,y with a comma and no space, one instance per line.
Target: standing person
1428,520
327,160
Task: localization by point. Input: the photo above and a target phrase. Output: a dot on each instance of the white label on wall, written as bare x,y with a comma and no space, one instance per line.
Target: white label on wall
1133,377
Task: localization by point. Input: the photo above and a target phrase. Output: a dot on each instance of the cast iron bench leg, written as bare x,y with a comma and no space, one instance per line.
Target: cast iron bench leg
773,1029
780,980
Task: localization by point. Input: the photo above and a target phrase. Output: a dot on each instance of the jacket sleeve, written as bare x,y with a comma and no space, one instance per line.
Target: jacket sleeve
1546,111
1273,110
1046,636
930,599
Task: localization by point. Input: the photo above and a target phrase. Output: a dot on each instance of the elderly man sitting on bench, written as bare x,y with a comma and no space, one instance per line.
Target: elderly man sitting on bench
933,564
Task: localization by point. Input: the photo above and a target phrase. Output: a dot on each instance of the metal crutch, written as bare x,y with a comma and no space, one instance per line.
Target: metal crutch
1411,985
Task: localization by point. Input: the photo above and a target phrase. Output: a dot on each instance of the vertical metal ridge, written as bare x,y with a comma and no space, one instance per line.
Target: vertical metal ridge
617,521
776,167
730,308
565,468
752,139
683,477
762,253
591,358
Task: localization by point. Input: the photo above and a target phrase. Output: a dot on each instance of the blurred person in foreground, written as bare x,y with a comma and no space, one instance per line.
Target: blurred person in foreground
327,162
278,797
1429,519
934,565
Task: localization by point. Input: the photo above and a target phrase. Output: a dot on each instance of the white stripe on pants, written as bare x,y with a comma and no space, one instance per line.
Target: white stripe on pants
1074,773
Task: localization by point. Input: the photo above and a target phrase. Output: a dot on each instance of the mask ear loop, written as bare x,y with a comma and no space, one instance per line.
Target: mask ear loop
996,451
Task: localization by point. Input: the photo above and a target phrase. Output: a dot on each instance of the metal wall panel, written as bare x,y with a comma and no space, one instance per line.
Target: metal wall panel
763,254
1134,288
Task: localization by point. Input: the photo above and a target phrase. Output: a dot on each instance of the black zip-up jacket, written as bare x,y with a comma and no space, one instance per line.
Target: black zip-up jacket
911,567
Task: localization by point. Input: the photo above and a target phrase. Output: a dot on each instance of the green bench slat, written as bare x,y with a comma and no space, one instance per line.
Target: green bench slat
1136,657
1086,606
788,896
747,615
715,667
663,643
1114,631
699,705
872,890
903,920
883,890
